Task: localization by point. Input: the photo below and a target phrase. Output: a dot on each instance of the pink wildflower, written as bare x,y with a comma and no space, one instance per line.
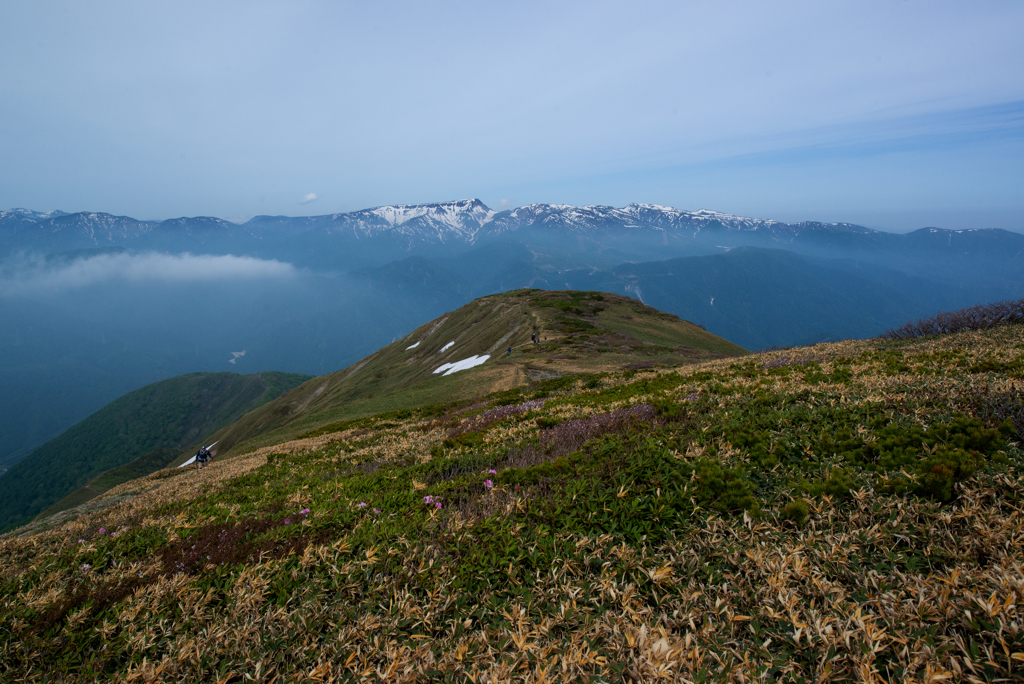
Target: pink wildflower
437,505
304,511
492,472
488,484
103,530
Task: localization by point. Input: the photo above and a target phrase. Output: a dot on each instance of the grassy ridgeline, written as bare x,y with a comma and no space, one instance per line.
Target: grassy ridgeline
171,414
579,333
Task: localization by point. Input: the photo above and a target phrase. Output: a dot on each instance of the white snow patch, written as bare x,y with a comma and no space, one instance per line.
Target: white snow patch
235,356
412,346
447,347
188,462
449,368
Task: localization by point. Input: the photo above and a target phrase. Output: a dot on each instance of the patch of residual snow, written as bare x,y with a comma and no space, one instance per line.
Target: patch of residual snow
412,346
450,368
447,346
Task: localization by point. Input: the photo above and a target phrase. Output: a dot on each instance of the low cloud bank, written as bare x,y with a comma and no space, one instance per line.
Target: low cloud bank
37,274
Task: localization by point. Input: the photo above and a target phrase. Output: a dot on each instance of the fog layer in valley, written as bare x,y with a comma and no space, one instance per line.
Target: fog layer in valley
80,332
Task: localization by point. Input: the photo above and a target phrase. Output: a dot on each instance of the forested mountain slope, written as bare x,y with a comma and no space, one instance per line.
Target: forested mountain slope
168,416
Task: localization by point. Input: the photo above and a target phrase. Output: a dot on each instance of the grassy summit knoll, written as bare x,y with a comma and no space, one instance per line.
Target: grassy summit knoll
579,332
848,511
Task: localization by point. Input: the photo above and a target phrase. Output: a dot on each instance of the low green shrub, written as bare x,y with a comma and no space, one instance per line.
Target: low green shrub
466,439
839,484
797,511
726,490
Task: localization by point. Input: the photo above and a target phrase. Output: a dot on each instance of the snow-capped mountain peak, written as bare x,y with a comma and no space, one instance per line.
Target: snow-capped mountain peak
457,215
440,222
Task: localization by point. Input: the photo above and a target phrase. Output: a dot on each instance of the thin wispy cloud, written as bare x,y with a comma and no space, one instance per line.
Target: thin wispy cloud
35,275
310,197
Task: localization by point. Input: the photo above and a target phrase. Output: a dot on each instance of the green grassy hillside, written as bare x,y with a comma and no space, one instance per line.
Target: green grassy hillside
842,512
581,333
171,414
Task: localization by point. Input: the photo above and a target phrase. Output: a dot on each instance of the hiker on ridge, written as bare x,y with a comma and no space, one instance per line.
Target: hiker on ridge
202,457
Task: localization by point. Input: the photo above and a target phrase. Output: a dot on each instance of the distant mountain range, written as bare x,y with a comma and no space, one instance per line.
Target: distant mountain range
375,236
466,221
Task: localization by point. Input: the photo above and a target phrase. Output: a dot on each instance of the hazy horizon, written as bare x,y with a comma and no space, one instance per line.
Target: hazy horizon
886,114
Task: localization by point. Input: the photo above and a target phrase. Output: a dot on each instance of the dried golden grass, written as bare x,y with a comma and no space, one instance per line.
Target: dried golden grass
797,586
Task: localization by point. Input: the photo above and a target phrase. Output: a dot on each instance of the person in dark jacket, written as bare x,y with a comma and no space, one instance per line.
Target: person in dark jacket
202,457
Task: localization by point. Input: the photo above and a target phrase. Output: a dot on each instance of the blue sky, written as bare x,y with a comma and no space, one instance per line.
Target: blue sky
895,114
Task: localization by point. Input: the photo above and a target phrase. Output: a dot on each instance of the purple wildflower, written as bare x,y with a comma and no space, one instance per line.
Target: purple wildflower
488,484
492,472
103,530
437,505
81,541
376,511
304,511
361,504
85,567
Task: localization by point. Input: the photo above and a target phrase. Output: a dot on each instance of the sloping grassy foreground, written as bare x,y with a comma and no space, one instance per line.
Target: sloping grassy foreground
849,511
